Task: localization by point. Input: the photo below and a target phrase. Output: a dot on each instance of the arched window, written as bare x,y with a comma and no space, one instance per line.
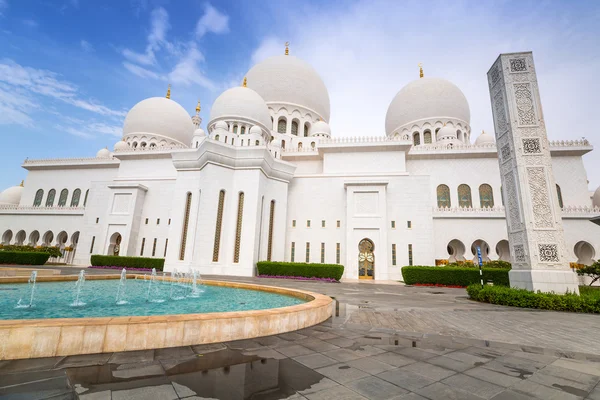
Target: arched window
218,226
135,145
270,242
143,144
312,145
282,125
283,144
295,128
232,141
75,198
300,146
217,137
559,194
501,196
427,137
186,221
235,129
243,130
238,228
464,196
50,198
416,138
306,128
37,201
459,135
443,196
486,196
86,196
62,200
256,143
152,144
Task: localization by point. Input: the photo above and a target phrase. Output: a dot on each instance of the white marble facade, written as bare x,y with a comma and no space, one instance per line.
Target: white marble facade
269,180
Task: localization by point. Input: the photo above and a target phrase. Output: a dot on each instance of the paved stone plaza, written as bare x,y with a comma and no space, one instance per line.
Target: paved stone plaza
385,342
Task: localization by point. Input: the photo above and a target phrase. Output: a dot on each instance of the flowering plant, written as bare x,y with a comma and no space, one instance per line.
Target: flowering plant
298,278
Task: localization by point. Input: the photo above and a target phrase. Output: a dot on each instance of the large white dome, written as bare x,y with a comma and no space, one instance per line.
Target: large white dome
241,103
161,117
289,80
11,196
596,198
426,98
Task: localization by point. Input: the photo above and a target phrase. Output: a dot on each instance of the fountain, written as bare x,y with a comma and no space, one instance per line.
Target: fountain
173,282
121,299
150,282
77,291
195,290
31,291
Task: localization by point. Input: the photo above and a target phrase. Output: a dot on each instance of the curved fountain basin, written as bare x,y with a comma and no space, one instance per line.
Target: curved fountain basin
70,336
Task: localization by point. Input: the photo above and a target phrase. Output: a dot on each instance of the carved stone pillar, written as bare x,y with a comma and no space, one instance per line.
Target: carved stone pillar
533,216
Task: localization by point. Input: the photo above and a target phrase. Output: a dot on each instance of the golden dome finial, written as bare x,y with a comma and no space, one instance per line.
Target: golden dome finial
198,108
287,48
245,82
482,131
22,183
169,92
420,70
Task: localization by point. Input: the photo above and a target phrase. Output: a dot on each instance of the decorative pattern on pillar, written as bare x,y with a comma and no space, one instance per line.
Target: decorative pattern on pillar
238,228
218,226
270,240
533,214
186,222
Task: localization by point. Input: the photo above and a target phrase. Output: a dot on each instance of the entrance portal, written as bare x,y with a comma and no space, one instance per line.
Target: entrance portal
366,259
115,244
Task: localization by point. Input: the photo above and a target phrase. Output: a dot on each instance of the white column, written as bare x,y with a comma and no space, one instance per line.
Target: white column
533,216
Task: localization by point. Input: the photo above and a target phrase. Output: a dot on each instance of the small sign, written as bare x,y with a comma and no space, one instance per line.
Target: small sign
479,256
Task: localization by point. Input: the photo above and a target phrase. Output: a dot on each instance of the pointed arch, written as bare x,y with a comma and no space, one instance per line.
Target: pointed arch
560,198
464,196
75,198
39,195
486,196
50,198
416,138
62,200
443,196
282,125
295,127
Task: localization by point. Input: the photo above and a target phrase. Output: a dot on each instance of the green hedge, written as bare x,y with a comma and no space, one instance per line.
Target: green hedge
451,276
22,258
488,264
306,270
128,262
524,298
52,250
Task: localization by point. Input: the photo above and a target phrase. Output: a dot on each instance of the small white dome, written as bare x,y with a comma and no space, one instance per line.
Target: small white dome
596,198
446,132
484,138
290,80
161,117
426,98
255,130
241,103
199,132
103,153
11,196
222,125
121,146
320,128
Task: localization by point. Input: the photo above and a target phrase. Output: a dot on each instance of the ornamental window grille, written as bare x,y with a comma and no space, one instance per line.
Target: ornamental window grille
501,196
306,127
393,254
293,252
62,200
86,197
92,245
486,196
142,248
218,226
322,253
559,194
416,138
243,130
307,251
300,146
427,137
166,245
281,125
443,196
270,239
186,222
75,198
410,254
154,247
293,223
295,128
323,223
37,201
338,223
50,198
337,253
393,224
464,196
238,228
235,129
312,145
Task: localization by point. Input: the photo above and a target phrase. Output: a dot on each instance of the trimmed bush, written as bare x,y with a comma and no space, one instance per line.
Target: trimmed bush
453,276
53,251
488,264
280,268
128,262
506,296
23,258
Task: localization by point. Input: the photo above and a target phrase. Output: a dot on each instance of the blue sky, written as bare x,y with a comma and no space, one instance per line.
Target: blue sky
70,69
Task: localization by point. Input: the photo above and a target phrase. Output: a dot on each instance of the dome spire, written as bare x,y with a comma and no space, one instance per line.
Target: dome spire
287,48
420,70
169,92
198,108
22,183
245,82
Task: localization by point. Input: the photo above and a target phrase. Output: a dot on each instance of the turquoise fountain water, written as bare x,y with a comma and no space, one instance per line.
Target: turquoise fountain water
130,297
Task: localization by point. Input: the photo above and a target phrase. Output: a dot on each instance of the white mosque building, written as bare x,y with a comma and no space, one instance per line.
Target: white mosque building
267,180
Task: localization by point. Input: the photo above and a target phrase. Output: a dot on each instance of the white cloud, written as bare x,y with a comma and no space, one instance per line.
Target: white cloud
30,23
212,21
22,89
91,130
188,70
141,72
159,26
86,46
3,6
